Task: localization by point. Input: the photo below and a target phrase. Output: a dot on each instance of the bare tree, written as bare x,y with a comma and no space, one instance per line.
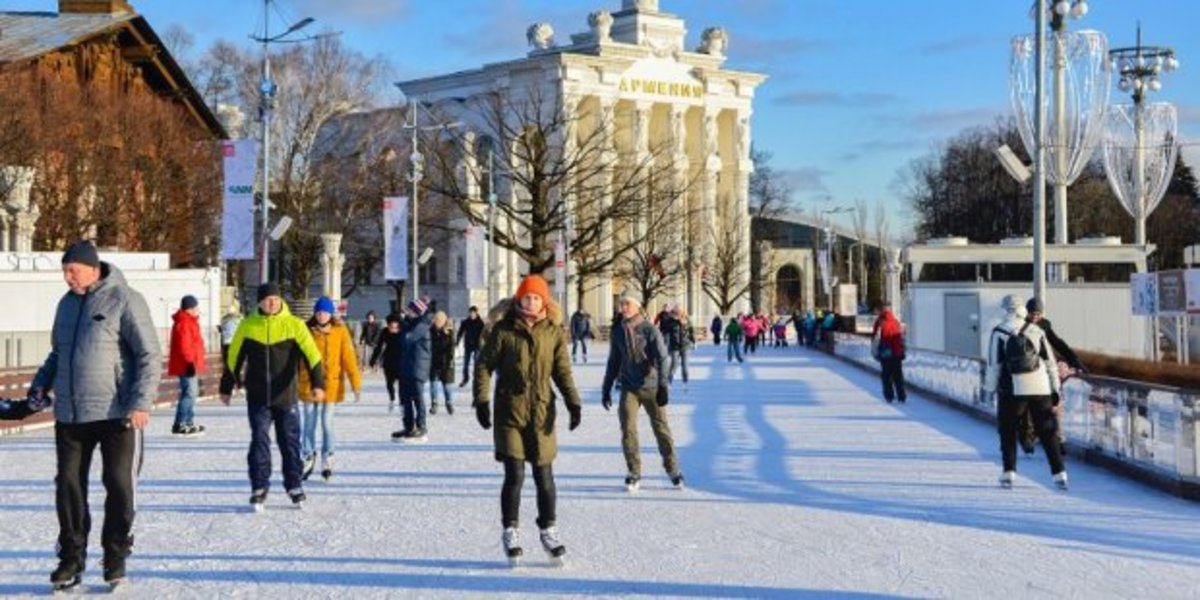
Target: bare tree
726,277
770,193
859,220
656,262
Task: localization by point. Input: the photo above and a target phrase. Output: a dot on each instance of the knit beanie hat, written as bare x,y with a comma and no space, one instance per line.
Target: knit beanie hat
83,253
1034,306
267,290
393,318
533,284
189,301
418,306
324,304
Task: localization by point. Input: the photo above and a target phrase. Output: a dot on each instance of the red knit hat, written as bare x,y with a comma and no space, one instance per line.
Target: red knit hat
533,284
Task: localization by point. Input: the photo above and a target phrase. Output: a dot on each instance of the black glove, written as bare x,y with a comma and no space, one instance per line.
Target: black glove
190,371
606,400
1055,398
576,417
484,415
661,397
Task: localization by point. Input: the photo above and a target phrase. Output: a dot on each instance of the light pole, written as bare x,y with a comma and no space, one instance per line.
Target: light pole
491,218
827,261
417,160
267,90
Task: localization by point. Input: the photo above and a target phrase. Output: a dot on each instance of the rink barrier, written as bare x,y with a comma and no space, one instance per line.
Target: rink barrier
1144,431
15,382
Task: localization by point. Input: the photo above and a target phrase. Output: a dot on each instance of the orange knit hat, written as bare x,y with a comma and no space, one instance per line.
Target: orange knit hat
534,284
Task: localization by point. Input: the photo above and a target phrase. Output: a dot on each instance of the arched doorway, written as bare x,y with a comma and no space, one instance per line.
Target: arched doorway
788,289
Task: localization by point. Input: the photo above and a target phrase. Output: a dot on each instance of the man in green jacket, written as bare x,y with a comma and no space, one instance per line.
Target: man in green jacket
269,346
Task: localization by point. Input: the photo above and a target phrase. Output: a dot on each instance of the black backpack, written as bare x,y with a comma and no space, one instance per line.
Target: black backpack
1018,353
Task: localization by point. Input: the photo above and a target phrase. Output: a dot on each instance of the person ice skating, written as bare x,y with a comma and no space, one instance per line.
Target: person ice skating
750,325
716,327
1069,364
733,339
103,369
1023,373
340,364
389,348
887,347
264,358
470,333
581,330
441,364
637,359
526,350
368,336
186,361
229,325
680,339
415,358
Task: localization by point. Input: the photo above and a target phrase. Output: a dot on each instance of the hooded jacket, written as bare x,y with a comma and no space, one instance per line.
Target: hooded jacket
269,349
524,360
338,361
635,357
187,345
1042,381
417,354
104,360
887,337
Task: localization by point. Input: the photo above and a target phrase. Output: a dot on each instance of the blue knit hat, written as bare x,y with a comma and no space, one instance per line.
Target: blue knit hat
324,304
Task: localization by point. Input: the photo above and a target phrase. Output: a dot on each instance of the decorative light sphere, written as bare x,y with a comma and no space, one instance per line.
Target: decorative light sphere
1062,7
1124,84
1154,84
1172,64
1080,9
1138,84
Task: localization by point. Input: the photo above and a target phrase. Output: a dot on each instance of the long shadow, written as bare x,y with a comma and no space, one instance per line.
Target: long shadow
721,439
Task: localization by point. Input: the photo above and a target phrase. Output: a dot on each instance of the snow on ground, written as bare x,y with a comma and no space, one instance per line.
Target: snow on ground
801,483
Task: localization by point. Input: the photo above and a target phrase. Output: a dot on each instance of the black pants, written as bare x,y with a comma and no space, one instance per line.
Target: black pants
287,437
469,355
510,493
392,380
121,453
891,374
1011,411
575,344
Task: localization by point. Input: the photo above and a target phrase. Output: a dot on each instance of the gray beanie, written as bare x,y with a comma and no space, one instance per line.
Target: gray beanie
83,253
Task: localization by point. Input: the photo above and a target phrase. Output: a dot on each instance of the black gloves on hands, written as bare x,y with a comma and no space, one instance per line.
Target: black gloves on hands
576,416
190,371
606,400
661,397
483,414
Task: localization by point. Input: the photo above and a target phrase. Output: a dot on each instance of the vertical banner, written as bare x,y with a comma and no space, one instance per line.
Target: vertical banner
475,249
395,238
823,263
560,269
237,215
1143,288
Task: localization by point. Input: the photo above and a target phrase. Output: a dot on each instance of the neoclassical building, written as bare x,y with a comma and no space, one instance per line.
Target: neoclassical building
631,82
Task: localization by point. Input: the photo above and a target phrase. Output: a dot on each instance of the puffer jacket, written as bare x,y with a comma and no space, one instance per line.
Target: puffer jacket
187,345
417,353
636,357
338,360
1043,381
524,361
269,348
104,360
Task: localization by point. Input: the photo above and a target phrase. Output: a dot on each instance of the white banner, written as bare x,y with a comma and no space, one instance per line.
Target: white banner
823,263
395,238
475,248
237,217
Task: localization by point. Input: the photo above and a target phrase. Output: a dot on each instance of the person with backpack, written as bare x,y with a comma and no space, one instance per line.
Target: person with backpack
1065,354
1023,373
887,346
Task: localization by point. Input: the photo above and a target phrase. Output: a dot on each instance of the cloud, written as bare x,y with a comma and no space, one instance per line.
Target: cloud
837,99
372,12
806,179
959,44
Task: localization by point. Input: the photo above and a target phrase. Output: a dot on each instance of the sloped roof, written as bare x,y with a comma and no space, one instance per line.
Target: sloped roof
28,34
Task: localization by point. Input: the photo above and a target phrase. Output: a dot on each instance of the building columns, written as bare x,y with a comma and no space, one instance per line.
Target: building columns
17,214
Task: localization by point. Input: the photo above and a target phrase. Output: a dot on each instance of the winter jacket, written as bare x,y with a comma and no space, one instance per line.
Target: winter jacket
750,327
887,337
389,348
470,330
338,361
715,326
269,348
370,333
581,326
635,357
524,360
441,364
1042,381
417,355
1061,349
678,335
733,331
104,360
187,345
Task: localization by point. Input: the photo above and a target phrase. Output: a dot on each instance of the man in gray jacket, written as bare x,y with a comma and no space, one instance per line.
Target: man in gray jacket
636,358
103,369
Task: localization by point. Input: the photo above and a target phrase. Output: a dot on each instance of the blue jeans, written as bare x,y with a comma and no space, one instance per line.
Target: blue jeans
678,356
185,410
315,412
733,348
434,384
287,437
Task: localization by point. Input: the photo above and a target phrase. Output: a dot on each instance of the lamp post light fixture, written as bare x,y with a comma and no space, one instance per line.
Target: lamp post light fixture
417,162
267,93
827,260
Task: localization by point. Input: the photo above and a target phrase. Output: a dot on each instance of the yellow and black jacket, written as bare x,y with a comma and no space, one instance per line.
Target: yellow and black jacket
269,349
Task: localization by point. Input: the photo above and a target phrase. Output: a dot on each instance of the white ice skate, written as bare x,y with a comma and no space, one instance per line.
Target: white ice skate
1060,480
511,540
1007,478
553,546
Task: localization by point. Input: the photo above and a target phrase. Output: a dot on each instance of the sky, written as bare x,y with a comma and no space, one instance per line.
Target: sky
856,90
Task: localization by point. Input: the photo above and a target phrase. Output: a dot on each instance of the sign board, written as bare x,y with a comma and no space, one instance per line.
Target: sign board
395,238
1143,296
846,299
1172,293
237,214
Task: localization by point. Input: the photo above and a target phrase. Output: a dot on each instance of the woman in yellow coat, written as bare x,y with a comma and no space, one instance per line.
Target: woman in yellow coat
336,344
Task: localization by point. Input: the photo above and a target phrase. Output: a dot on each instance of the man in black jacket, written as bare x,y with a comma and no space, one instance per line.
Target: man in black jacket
1062,351
470,333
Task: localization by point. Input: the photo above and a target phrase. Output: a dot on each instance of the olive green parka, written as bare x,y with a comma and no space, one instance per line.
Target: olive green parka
525,360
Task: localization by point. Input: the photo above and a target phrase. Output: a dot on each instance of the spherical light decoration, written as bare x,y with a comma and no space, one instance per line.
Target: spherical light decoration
1062,7
1124,84
1080,9
1154,84
1138,84
1172,64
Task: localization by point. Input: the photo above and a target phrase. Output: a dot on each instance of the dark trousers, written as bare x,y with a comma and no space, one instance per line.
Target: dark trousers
716,338
121,452
678,356
1011,410
392,380
469,355
575,344
891,374
412,403
287,437
510,493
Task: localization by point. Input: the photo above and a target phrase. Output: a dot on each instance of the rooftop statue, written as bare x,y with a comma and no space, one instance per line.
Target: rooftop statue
540,36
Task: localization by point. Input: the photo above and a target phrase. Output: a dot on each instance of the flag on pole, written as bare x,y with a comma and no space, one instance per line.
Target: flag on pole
237,215
395,238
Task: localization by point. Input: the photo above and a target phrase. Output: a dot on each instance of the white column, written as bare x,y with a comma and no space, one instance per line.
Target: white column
741,184
709,216
331,265
19,215
608,158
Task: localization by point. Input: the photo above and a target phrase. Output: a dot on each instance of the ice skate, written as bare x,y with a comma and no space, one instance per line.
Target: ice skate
433,408
553,546
677,481
114,572
416,436
402,435
258,500
310,463
511,540
67,578
1007,478
327,468
298,498
1060,480
633,482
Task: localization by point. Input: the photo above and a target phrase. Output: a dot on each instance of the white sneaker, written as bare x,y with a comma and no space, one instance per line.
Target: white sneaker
553,546
1060,480
1007,478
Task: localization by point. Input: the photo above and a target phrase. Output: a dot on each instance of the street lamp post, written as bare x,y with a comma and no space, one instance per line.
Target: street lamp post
829,246
267,90
417,160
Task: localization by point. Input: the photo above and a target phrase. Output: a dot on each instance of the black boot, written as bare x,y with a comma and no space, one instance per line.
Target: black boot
67,575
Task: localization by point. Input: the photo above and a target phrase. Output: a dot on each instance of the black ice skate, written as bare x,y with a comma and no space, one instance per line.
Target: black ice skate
633,482
677,481
553,546
114,572
511,540
298,498
68,576
327,468
258,500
